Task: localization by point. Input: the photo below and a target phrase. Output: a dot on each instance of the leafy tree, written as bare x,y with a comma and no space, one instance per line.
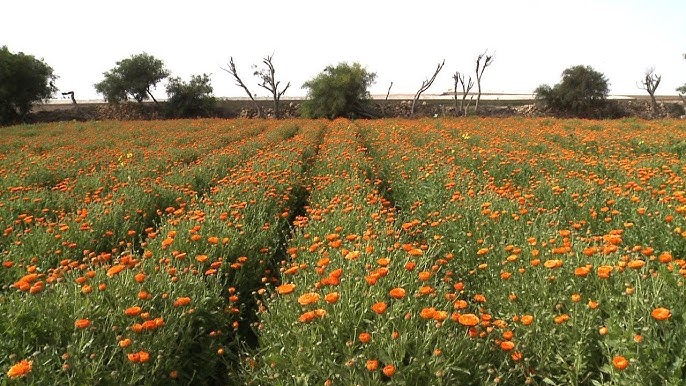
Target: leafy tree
190,99
339,91
581,91
23,81
133,76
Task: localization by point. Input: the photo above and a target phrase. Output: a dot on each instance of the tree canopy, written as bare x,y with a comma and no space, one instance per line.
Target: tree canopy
581,90
24,80
134,77
190,99
339,91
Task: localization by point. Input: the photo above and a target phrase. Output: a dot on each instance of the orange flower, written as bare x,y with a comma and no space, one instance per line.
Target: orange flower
427,312
132,311
82,323
468,320
372,365
379,307
388,370
115,270
365,337
331,298
397,293
20,369
604,271
620,363
527,319
285,289
507,345
582,271
182,301
308,298
213,240
307,317
661,313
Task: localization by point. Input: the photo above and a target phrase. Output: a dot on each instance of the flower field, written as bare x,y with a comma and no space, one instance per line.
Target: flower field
312,252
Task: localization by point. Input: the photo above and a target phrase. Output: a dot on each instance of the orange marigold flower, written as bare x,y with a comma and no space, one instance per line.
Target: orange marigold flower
307,317
372,365
20,369
661,313
182,301
115,270
82,323
213,240
132,311
604,271
331,298
285,289
468,320
507,345
427,312
397,293
582,271
365,337
308,298
379,307
388,370
620,363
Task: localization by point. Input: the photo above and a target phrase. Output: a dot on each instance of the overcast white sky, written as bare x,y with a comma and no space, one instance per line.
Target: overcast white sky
402,41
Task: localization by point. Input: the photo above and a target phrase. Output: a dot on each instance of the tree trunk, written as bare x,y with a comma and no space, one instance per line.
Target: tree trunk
153,98
653,101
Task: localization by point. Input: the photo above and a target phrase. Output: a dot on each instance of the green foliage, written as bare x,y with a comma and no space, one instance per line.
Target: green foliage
23,81
133,77
682,89
581,91
190,99
339,91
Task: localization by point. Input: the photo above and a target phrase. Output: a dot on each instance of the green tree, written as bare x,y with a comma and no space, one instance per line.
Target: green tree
134,77
24,80
339,91
581,91
190,99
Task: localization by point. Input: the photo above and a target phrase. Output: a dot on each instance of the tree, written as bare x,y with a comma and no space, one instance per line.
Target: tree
190,99
480,67
467,85
650,83
134,77
425,86
270,83
339,91
24,80
581,90
239,82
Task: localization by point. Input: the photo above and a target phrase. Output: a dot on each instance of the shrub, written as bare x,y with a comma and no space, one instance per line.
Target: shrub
190,99
133,76
581,92
339,91
23,81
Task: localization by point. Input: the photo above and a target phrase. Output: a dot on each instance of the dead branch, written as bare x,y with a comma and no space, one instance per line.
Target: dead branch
425,86
232,70
650,83
480,67
270,83
467,85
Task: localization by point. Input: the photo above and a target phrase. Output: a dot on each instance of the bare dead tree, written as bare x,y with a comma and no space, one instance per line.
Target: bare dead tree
232,70
270,83
480,67
71,95
649,83
425,86
467,84
383,108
